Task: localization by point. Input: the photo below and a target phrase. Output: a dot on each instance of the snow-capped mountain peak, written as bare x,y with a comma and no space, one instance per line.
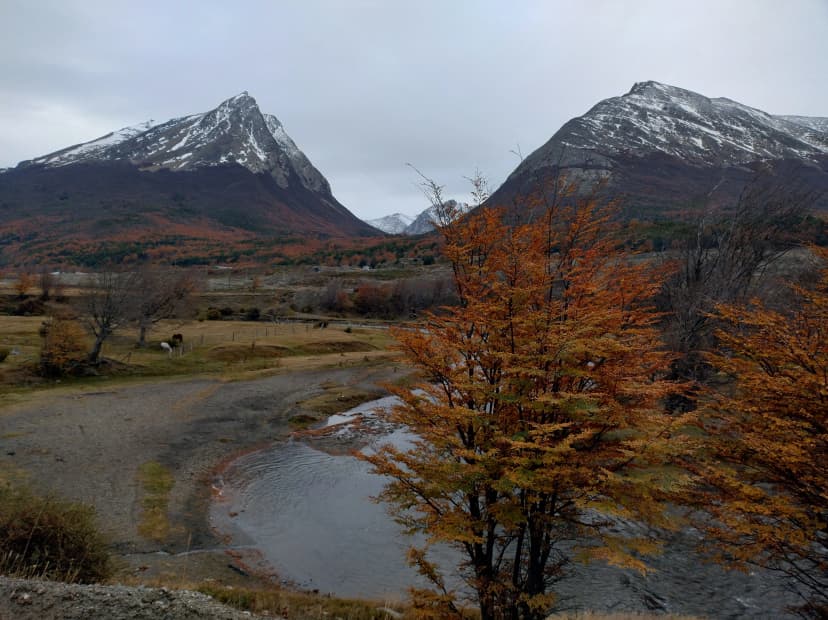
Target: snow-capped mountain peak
394,224
665,150
235,131
656,117
424,222
400,224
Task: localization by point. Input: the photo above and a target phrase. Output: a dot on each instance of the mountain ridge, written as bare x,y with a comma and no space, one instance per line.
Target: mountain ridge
651,116
230,168
394,224
664,147
422,223
189,142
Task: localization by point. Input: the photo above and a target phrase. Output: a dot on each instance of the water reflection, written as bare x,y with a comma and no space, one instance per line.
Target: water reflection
309,513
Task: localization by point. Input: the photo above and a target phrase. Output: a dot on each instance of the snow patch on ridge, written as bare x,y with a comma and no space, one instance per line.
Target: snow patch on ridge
88,150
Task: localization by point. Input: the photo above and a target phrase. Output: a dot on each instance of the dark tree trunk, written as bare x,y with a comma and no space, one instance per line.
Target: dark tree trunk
95,353
142,334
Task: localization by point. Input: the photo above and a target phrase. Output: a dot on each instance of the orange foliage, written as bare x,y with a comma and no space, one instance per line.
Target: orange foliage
64,346
770,473
538,421
25,281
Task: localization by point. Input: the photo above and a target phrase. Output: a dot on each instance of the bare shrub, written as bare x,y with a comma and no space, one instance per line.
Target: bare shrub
51,539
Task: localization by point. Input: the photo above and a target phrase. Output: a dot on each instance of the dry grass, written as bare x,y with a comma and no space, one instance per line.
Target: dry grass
232,350
48,538
629,615
156,482
279,602
270,600
337,398
334,399
241,352
303,606
20,334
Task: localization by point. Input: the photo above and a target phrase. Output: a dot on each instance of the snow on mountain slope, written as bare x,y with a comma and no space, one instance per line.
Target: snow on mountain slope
664,151
394,224
655,117
234,132
424,222
95,148
311,177
400,224
816,123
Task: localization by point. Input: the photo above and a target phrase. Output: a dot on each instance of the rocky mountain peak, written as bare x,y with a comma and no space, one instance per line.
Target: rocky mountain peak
394,224
664,147
653,89
234,132
657,96
658,118
242,105
241,109
200,181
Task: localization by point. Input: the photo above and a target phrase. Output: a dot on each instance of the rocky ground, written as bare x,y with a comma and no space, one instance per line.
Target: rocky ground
22,599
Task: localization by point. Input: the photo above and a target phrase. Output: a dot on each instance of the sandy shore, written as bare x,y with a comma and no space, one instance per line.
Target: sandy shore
88,446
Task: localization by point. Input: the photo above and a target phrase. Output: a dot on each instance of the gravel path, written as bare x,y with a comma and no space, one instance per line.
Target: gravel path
88,446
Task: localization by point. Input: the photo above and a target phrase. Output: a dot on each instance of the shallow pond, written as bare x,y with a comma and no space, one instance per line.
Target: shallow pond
310,516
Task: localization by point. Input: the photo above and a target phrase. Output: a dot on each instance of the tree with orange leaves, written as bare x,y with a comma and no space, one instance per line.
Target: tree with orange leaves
537,421
24,283
768,477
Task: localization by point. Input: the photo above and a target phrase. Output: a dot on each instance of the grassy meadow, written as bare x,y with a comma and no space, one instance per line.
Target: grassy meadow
232,350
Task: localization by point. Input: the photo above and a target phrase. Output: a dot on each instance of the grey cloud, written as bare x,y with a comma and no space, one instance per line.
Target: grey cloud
366,86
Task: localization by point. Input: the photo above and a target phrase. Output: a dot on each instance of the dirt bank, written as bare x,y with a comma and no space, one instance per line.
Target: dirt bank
89,446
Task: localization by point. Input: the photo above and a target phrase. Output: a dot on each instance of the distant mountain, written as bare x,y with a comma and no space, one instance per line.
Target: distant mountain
665,149
230,172
394,224
399,224
424,222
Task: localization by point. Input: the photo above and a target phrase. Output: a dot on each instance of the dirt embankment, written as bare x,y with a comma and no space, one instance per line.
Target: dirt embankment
92,445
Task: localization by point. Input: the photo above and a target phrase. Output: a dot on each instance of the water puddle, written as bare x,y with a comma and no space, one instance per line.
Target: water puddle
310,515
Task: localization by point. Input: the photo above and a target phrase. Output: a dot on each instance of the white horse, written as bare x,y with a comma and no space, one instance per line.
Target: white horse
166,346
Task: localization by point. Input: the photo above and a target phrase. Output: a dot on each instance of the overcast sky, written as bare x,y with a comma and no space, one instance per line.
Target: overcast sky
363,87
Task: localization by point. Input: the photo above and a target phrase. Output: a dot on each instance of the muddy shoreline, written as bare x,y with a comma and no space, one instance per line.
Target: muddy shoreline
88,445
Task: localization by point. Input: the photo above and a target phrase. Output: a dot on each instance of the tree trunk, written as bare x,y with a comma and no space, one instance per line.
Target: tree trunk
487,605
142,334
95,353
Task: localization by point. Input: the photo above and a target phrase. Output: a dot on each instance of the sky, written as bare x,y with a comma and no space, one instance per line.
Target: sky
365,87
